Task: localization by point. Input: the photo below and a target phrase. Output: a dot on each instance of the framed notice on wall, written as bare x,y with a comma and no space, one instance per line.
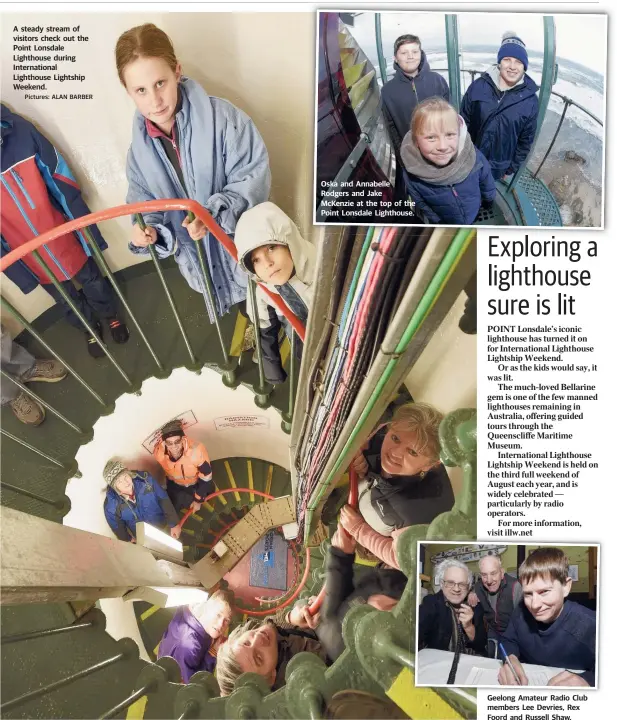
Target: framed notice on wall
187,418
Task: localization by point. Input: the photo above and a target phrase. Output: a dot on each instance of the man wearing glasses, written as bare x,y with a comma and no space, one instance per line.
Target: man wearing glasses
497,594
187,467
446,621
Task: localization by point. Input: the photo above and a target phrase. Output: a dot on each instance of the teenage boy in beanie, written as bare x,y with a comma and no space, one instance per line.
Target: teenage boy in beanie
547,628
187,467
501,109
134,497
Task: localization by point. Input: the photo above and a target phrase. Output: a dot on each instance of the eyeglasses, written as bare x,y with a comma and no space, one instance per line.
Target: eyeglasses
450,585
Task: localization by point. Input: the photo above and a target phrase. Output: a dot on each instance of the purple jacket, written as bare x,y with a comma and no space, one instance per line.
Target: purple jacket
186,641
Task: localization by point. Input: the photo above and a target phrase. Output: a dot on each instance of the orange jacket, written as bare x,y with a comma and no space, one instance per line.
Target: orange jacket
191,468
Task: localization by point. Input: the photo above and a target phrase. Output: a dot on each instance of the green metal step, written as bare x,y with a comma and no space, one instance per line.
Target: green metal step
47,659
142,289
153,621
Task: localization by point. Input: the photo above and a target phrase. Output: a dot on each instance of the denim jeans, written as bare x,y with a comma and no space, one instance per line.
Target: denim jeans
95,299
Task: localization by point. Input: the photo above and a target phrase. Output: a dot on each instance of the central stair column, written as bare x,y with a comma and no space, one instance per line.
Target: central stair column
44,562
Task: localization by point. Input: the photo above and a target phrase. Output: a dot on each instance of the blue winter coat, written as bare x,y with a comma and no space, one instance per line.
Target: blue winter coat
225,167
402,94
152,505
453,204
501,124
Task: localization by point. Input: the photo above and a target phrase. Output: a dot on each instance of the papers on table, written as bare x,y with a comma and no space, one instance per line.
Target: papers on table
488,676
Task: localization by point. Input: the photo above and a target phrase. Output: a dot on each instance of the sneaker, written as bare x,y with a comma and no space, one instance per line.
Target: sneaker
95,350
119,331
45,371
27,410
248,343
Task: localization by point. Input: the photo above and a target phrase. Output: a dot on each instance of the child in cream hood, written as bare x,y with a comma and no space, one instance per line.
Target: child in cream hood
272,251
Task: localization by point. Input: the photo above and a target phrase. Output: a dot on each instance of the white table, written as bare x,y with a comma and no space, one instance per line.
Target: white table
433,668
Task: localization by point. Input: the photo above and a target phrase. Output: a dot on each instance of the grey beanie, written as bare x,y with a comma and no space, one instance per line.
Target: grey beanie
114,468
172,428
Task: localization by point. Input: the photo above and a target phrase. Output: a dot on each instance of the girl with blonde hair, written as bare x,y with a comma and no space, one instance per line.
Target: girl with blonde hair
445,175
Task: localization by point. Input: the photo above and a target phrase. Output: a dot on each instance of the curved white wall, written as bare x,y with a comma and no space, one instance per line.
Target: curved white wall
135,417
121,435
261,62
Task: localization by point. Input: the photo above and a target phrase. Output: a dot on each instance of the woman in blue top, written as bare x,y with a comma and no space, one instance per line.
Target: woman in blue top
187,144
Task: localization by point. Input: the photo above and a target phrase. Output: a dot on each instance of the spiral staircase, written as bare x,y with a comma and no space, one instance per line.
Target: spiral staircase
57,658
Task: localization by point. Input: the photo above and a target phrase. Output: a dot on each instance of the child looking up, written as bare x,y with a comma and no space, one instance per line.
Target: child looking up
447,177
272,251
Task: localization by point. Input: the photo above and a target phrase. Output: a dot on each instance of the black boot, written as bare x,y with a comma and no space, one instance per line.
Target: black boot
94,349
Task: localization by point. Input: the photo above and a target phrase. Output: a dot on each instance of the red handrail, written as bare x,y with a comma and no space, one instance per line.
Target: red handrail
146,207
269,611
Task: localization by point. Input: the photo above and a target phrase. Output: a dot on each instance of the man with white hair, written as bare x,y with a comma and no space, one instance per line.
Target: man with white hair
497,595
446,621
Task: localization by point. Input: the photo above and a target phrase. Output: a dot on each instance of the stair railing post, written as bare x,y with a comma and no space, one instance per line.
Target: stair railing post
163,372
288,416
263,390
227,366
193,364
107,408
134,387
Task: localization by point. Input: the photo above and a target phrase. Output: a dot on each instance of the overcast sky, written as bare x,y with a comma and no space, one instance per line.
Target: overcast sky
581,38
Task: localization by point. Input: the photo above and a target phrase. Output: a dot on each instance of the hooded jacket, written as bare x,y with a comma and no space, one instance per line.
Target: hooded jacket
404,500
225,168
401,94
452,194
152,505
186,641
267,224
192,469
502,123
39,193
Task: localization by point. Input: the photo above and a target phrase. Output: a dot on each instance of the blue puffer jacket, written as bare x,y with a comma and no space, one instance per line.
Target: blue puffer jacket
402,94
152,505
225,168
501,124
457,204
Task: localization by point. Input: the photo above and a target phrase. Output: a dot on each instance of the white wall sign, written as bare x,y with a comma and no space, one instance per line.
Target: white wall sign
573,572
226,422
